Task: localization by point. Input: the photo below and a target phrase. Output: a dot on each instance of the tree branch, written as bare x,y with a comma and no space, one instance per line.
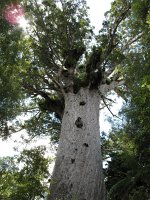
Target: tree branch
103,98
50,104
112,33
131,41
107,106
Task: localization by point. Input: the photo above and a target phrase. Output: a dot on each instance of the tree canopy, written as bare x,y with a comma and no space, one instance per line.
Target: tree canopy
60,54
55,55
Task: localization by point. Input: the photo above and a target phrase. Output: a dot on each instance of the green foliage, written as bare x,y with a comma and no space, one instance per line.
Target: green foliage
38,66
28,181
31,62
46,60
68,25
42,125
127,146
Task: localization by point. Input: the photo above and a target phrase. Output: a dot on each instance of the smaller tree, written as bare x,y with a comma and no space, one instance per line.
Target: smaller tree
127,175
24,177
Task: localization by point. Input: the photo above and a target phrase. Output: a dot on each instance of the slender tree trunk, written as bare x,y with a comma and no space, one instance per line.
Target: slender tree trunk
78,169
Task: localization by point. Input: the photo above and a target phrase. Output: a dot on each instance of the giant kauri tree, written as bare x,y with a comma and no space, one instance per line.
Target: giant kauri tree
59,71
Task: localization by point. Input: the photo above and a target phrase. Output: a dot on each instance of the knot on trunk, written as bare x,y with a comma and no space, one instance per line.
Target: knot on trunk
86,145
72,160
82,103
79,122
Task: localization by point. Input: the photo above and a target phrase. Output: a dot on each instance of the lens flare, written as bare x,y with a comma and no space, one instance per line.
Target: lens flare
13,13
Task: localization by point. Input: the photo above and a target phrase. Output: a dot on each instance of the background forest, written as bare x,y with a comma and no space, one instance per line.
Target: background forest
126,149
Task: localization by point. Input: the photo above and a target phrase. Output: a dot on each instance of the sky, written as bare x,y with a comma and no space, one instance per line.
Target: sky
97,10
96,14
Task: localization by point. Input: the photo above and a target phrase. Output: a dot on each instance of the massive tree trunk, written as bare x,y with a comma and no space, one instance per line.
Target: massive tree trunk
78,169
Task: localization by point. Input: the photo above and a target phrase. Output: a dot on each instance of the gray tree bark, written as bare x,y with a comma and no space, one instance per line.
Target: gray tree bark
78,169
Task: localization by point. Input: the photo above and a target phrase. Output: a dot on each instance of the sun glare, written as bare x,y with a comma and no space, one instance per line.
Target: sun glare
14,14
23,23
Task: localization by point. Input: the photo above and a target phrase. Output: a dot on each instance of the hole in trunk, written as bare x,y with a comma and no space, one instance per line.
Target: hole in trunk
72,160
79,122
82,103
86,145
71,185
